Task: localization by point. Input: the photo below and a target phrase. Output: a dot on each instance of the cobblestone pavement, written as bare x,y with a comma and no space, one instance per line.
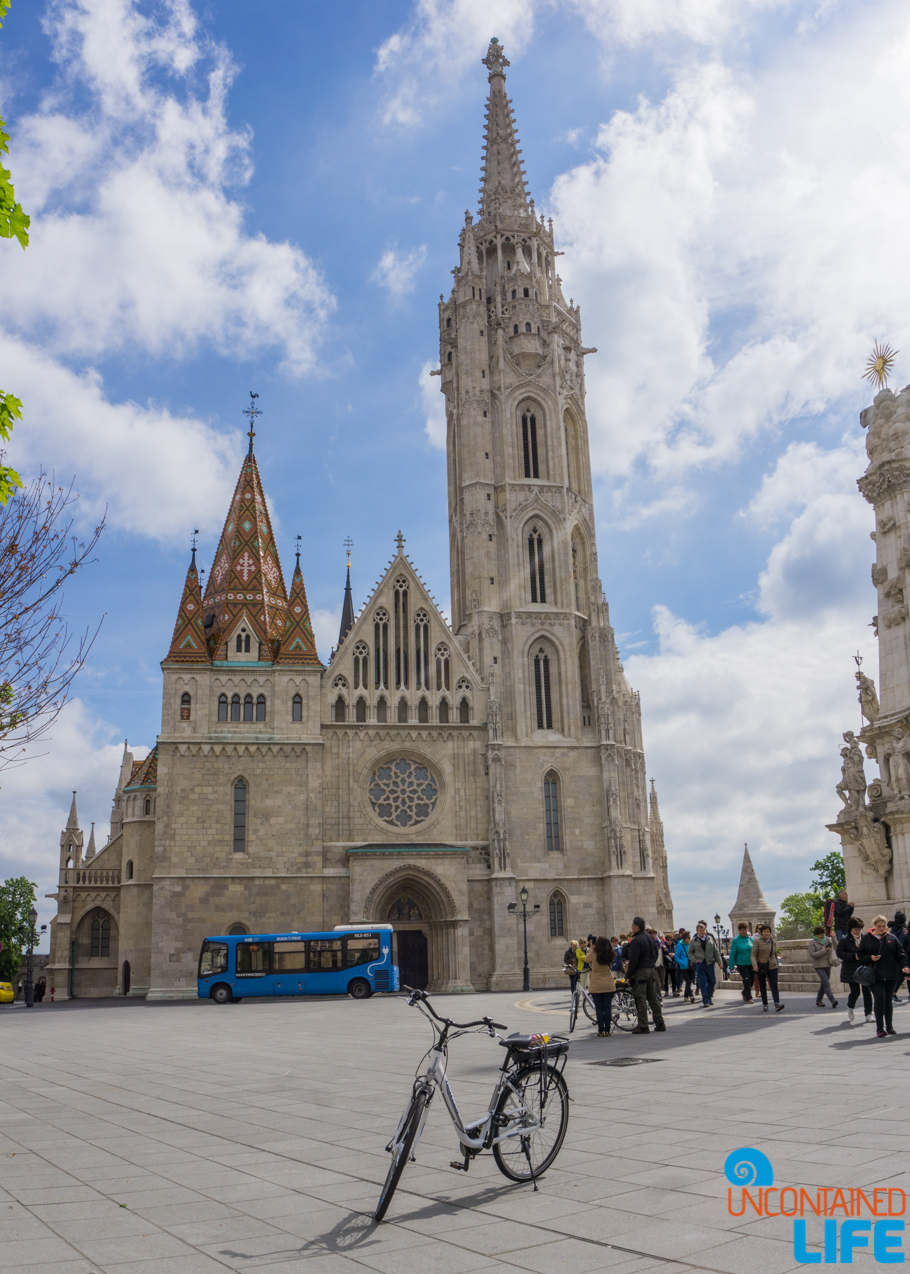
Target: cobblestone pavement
189,1138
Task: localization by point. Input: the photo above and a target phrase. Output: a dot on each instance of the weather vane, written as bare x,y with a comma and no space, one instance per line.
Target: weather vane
348,545
252,412
299,538
195,533
879,364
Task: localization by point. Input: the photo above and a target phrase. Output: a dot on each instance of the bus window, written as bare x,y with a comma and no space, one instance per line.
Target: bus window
213,959
289,957
252,959
362,950
325,955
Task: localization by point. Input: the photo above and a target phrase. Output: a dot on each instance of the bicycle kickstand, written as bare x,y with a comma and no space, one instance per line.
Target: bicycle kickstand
525,1147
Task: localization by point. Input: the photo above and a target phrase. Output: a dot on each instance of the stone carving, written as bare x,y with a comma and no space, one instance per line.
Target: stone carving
879,575
868,699
852,787
903,559
887,523
603,721
898,765
868,835
493,720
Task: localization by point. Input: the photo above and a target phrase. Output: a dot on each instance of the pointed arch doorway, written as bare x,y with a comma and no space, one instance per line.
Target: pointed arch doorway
406,914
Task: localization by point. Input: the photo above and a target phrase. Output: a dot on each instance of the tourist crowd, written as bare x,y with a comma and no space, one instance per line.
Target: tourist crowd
656,966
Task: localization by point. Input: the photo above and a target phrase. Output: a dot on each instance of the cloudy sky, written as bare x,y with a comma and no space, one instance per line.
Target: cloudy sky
228,197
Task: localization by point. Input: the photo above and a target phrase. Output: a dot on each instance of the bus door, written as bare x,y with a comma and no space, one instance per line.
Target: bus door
325,966
289,967
253,969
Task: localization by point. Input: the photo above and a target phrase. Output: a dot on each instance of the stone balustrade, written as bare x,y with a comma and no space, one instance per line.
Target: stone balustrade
97,877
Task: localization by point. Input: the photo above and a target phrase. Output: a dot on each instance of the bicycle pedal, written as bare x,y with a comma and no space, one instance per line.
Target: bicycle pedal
462,1167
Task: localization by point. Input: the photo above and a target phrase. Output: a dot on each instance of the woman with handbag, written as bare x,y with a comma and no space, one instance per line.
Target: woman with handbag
821,953
848,952
883,954
601,984
765,962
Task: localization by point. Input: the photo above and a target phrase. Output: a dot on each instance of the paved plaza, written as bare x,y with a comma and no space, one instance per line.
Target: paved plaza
250,1137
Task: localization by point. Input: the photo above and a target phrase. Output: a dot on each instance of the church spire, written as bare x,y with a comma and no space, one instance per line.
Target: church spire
298,645
188,642
72,823
503,183
751,904
347,609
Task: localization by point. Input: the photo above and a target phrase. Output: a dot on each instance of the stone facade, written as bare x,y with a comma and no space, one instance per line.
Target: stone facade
874,821
432,769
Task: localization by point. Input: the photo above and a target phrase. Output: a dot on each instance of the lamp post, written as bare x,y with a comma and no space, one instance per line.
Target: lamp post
523,917
723,940
29,982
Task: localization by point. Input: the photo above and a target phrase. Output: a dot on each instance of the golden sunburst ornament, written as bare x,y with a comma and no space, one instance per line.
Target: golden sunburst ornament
879,364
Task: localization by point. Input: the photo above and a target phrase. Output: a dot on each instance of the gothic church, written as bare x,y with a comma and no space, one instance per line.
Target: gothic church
431,770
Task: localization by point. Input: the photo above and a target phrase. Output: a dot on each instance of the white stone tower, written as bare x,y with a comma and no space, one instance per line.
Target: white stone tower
527,602
876,835
751,904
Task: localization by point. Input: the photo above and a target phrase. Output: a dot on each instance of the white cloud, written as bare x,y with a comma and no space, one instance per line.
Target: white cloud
434,407
187,470
325,629
801,474
396,271
134,239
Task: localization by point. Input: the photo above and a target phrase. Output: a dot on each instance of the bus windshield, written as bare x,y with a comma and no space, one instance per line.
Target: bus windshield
213,958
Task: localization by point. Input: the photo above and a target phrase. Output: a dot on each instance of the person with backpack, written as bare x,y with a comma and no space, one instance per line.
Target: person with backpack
848,953
883,952
821,953
704,954
766,963
741,959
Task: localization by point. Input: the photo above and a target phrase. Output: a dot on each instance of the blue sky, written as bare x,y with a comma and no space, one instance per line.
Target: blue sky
229,197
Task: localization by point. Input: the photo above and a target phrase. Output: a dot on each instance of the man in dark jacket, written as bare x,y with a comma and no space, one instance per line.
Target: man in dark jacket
642,974
898,927
843,910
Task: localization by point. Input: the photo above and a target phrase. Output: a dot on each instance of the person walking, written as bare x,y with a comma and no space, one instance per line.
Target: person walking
681,956
601,984
848,952
670,961
821,953
741,958
704,955
884,953
843,910
898,927
765,963
642,974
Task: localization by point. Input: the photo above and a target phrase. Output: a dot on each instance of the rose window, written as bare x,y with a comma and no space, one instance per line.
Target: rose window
403,793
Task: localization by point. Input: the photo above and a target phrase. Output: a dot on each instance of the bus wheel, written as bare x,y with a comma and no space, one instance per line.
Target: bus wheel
360,989
221,993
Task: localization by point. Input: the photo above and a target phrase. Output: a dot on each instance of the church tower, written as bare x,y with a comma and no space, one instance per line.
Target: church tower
527,603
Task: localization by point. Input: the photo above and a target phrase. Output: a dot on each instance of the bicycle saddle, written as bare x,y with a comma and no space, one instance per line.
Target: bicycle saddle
520,1041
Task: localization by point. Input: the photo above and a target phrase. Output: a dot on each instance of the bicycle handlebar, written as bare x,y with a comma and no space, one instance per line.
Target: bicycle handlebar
420,997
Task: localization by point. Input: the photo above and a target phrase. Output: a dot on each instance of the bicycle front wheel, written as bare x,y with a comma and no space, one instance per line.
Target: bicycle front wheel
588,1008
401,1152
573,1011
624,1014
539,1102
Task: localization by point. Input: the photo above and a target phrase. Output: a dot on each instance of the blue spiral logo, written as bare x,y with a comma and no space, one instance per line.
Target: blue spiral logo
748,1167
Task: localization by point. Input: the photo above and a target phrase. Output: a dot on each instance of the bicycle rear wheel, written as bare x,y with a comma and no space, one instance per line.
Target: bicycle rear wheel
531,1099
624,1015
401,1152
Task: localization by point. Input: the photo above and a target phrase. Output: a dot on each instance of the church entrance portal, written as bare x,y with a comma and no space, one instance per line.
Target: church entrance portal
413,964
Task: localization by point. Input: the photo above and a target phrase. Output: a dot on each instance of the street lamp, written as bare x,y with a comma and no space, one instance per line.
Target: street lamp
523,916
29,985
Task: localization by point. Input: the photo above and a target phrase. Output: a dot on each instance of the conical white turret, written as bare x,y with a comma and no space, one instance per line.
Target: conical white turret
751,904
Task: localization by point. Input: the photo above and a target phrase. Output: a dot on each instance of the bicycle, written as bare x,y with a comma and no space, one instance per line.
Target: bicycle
525,1123
623,1013
581,1000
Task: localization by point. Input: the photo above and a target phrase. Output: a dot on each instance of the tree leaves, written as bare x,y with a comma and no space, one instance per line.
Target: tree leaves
16,897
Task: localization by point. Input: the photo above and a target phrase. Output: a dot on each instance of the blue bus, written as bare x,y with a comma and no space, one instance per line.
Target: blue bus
347,959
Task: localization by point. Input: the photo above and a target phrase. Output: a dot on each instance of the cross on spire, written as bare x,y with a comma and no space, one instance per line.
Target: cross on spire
348,545
251,413
299,538
399,540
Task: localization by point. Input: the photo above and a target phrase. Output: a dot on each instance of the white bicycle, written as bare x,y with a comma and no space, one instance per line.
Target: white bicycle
526,1121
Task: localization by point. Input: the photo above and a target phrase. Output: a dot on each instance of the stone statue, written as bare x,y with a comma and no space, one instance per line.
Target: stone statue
868,699
898,764
493,718
852,786
499,809
603,721
868,835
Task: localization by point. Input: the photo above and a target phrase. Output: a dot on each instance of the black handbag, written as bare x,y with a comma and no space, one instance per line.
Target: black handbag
864,975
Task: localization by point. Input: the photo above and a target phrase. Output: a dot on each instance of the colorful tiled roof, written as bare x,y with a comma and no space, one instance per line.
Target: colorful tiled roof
188,645
298,645
145,772
246,577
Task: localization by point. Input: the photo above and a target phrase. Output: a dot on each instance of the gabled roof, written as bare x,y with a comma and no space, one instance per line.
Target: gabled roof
246,571
298,645
188,645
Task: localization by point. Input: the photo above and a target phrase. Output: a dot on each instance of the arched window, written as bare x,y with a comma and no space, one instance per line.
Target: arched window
400,605
529,445
557,916
381,649
129,869
527,327
361,666
148,805
423,711
101,936
222,708
551,811
360,709
402,710
242,644
185,704
235,707
536,565
443,668
443,712
382,711
341,709
514,326
421,651
240,817
448,322
584,682
642,853
449,357
543,699
260,707
464,712
297,708
247,707
237,929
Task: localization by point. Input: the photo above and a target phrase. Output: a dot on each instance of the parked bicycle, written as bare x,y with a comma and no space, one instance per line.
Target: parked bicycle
525,1123
623,1013
581,1000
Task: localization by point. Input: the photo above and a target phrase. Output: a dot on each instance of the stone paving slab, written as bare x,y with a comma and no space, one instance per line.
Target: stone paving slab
191,1138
